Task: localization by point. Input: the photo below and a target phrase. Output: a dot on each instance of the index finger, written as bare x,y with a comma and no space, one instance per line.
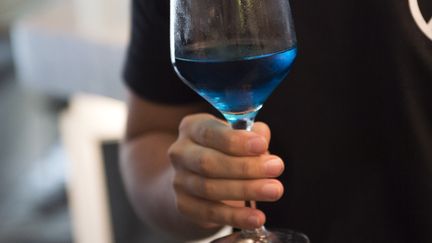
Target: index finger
214,133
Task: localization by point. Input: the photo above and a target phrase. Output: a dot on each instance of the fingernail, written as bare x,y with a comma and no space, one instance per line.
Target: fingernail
253,221
273,167
270,191
256,145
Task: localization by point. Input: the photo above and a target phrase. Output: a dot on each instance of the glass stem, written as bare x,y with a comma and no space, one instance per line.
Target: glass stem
241,120
244,121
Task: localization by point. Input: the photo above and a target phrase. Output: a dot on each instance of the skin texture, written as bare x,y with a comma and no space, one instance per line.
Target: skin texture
187,173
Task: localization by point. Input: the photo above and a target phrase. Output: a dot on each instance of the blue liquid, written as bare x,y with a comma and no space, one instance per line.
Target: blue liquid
236,85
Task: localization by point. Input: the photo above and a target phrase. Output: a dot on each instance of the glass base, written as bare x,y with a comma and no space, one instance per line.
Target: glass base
274,236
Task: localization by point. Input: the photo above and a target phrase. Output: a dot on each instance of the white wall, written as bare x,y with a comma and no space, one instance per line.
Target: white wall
11,9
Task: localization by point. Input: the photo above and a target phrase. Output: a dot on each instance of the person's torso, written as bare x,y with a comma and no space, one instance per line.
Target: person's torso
353,121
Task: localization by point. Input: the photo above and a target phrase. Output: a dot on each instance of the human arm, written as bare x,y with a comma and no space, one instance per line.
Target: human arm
145,167
179,169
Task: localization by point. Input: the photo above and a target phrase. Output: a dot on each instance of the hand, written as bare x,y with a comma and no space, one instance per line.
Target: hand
217,168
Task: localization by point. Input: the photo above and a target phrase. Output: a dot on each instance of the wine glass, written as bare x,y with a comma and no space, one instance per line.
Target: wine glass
234,53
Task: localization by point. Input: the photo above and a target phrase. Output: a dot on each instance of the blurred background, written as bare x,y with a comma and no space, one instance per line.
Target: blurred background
62,114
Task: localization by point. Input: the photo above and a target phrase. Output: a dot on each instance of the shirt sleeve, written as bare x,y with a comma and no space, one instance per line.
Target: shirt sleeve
148,71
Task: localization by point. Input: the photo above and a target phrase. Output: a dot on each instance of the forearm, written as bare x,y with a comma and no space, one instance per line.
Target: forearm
148,177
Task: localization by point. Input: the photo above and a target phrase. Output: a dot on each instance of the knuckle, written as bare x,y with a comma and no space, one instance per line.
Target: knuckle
181,207
207,188
231,142
245,191
179,203
205,164
174,153
232,219
205,133
185,123
245,169
177,183
211,214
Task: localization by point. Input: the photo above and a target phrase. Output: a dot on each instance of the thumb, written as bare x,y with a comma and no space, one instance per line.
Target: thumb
262,129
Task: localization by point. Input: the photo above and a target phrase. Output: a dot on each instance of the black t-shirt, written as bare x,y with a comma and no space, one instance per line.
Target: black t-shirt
353,119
